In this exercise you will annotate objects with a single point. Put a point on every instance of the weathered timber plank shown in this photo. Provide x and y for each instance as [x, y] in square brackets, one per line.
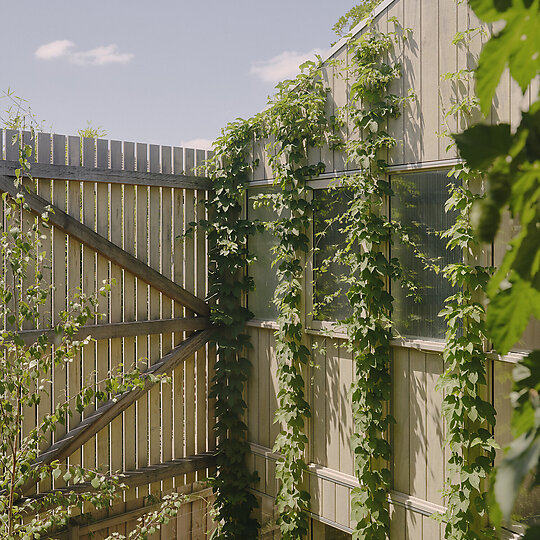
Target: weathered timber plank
[137, 178]
[111, 251]
[169, 469]
[115, 406]
[140, 477]
[154, 473]
[131, 515]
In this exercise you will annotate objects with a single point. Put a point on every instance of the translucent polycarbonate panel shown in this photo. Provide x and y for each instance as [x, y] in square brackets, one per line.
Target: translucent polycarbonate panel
[418, 204]
[330, 302]
[261, 244]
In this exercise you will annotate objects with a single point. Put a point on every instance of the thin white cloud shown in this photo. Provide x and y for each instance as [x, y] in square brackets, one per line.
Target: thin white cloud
[54, 49]
[282, 66]
[199, 144]
[100, 56]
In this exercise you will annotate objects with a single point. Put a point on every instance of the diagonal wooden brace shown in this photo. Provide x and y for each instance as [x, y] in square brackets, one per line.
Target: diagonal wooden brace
[102, 416]
[104, 247]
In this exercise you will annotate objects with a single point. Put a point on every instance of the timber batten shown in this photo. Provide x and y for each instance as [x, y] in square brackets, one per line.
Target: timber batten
[146, 475]
[122, 329]
[108, 176]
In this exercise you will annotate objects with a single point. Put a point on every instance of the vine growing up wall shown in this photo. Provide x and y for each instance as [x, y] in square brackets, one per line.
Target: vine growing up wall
[295, 121]
[469, 417]
[227, 235]
[368, 235]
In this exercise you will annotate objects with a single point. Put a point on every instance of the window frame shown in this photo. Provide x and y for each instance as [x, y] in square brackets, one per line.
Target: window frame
[331, 328]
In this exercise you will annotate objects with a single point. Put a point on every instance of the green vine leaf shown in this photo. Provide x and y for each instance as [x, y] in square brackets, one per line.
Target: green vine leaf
[515, 46]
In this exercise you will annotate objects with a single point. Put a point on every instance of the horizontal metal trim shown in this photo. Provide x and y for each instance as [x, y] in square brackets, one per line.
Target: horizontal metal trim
[419, 506]
[510, 358]
[109, 176]
[322, 181]
[424, 345]
[423, 165]
[263, 323]
[332, 524]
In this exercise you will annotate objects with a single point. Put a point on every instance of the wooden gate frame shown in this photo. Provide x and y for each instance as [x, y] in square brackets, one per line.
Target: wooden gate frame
[199, 324]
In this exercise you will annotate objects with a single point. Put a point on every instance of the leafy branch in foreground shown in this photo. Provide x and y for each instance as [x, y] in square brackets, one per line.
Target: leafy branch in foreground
[511, 160]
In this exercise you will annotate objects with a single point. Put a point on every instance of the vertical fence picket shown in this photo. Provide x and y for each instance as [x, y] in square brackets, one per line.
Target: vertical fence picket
[27, 222]
[183, 518]
[12, 154]
[29, 139]
[198, 517]
[91, 158]
[142, 313]
[44, 190]
[117, 425]
[211, 437]
[59, 281]
[89, 287]
[201, 356]
[130, 291]
[168, 530]
[34, 417]
[12, 145]
[178, 261]
[74, 281]
[189, 284]
[154, 417]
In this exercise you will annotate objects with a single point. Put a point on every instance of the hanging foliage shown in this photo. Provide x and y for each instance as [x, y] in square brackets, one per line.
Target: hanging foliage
[468, 415]
[295, 122]
[511, 161]
[227, 233]
[368, 235]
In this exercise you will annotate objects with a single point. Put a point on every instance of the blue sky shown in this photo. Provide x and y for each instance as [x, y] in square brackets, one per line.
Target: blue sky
[163, 71]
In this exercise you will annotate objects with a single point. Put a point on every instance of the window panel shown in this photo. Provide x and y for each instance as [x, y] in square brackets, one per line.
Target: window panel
[261, 244]
[330, 302]
[418, 205]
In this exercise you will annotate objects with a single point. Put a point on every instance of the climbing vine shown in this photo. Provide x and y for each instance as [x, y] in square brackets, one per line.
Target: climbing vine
[295, 122]
[227, 233]
[368, 236]
[469, 417]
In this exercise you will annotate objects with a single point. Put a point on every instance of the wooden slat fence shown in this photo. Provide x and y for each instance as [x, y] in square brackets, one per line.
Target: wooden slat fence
[121, 211]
